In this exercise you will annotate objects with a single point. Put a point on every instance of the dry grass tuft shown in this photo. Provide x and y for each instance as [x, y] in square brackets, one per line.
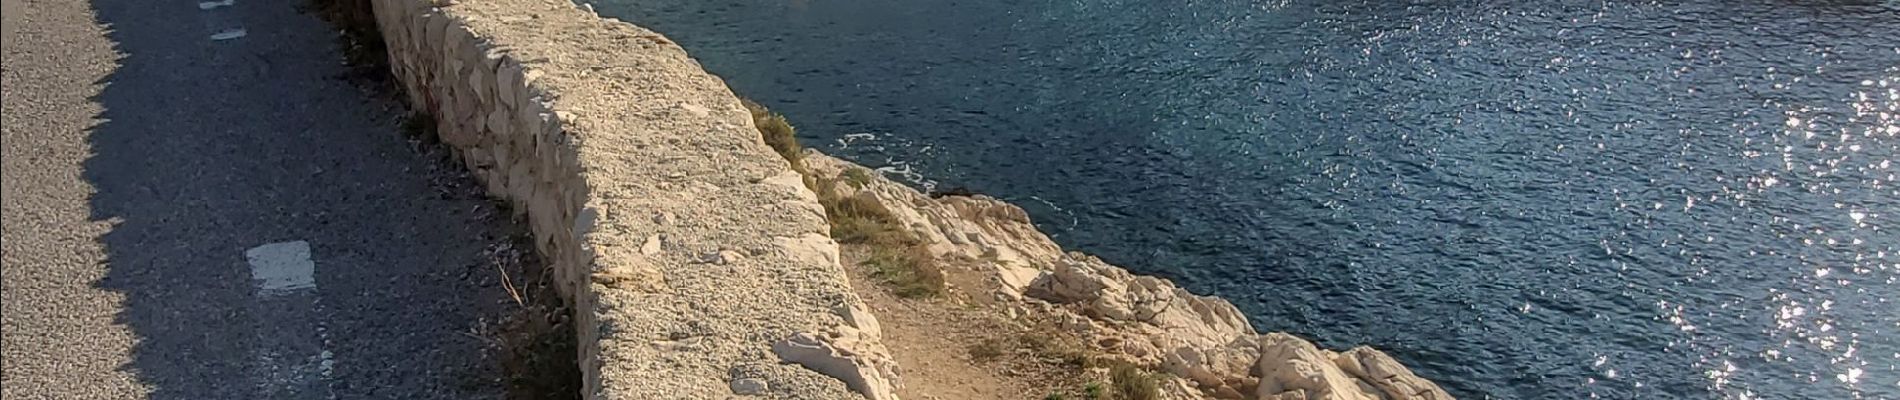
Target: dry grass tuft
[897, 257]
[909, 270]
[777, 133]
[986, 350]
[861, 219]
[535, 345]
[1057, 348]
[857, 177]
[1131, 382]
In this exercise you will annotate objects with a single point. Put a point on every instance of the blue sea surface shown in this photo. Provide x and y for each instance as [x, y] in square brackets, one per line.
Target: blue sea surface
[1520, 199]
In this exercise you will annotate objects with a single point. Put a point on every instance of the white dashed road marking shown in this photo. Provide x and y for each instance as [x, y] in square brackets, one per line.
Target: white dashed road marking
[282, 267]
[228, 34]
[292, 361]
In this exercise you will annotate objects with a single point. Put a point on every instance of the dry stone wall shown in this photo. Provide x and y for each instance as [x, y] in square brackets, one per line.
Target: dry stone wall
[697, 262]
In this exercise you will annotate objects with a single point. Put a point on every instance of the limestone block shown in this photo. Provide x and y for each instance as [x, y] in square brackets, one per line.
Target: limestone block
[412, 8]
[846, 354]
[413, 27]
[570, 157]
[544, 213]
[453, 35]
[498, 187]
[551, 124]
[453, 67]
[477, 82]
[465, 106]
[434, 25]
[470, 48]
[528, 119]
[811, 248]
[388, 18]
[499, 128]
[458, 132]
[491, 57]
[575, 187]
[1391, 378]
[856, 315]
[1289, 364]
[1212, 367]
[520, 186]
[584, 222]
[528, 112]
[547, 164]
[508, 82]
[479, 160]
[1072, 281]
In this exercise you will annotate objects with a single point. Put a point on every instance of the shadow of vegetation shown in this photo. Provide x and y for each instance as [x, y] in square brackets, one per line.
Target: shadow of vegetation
[207, 148]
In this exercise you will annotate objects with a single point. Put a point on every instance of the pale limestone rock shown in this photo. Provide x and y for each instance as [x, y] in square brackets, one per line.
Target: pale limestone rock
[1391, 378]
[976, 228]
[1176, 388]
[847, 354]
[721, 257]
[748, 386]
[1200, 338]
[1205, 341]
[520, 186]
[1289, 364]
[496, 124]
[1074, 281]
[811, 247]
[1016, 279]
[651, 246]
[859, 317]
[1222, 367]
[491, 73]
[508, 76]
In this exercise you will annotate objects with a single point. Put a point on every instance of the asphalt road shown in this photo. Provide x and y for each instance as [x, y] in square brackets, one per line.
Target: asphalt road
[193, 213]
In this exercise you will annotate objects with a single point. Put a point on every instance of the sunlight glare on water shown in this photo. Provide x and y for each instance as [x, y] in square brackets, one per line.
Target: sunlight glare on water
[1520, 200]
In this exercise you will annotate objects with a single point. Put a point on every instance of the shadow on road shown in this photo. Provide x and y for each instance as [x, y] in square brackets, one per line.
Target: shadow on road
[207, 148]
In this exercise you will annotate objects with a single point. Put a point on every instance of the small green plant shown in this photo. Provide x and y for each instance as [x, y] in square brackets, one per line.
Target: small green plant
[908, 269]
[1092, 391]
[1053, 396]
[1133, 383]
[857, 177]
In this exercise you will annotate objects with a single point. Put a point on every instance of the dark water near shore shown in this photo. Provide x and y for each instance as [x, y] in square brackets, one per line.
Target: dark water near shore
[1521, 199]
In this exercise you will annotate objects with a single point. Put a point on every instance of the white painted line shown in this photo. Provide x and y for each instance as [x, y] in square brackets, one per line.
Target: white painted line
[280, 268]
[292, 361]
[207, 5]
[228, 34]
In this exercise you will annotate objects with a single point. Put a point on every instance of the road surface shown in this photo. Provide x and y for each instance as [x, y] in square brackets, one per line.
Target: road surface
[197, 206]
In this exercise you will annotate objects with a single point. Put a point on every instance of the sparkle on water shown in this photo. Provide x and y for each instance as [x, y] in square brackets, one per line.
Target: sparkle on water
[1529, 199]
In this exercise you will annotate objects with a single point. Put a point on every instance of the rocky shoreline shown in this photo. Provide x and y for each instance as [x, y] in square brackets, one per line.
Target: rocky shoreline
[1203, 345]
[698, 265]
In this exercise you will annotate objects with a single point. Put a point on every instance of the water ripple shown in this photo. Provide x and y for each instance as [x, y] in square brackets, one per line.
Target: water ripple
[1525, 200]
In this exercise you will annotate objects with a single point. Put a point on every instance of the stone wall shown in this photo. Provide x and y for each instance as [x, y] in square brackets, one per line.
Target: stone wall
[697, 262]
